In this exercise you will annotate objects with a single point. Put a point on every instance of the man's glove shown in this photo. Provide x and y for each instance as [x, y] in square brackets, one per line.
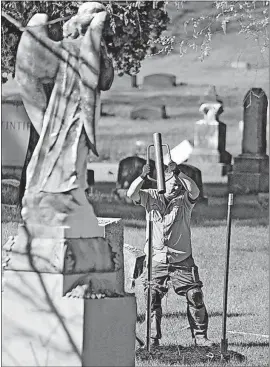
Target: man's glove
[145, 171]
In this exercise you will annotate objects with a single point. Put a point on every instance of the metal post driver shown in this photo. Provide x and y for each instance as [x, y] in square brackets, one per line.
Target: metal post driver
[161, 190]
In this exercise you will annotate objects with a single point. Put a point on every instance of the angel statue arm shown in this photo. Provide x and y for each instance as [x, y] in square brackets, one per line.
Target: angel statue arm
[94, 62]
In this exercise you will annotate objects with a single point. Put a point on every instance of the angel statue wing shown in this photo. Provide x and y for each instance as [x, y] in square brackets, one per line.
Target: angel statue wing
[79, 67]
[31, 72]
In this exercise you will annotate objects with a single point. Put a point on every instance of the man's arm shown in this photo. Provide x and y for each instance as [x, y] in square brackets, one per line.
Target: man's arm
[134, 189]
[190, 186]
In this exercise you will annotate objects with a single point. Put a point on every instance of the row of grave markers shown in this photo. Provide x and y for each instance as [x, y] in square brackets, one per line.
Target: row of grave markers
[251, 166]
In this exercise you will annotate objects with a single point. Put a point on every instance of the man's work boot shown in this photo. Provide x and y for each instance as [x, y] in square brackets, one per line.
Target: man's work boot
[155, 342]
[203, 342]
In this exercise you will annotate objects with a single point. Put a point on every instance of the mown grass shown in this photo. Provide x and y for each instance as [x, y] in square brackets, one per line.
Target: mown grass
[117, 136]
[248, 304]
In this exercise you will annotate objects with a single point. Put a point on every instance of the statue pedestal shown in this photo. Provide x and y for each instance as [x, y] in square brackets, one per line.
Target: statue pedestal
[42, 328]
[63, 301]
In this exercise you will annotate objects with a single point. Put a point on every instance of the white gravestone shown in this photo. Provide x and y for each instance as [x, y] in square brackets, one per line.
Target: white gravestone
[209, 152]
[15, 128]
[180, 153]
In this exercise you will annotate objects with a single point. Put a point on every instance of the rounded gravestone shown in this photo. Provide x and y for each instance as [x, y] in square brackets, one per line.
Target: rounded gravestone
[195, 174]
[148, 112]
[129, 169]
[163, 80]
[241, 65]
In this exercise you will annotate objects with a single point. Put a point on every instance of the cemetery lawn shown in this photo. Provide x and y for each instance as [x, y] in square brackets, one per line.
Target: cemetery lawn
[248, 309]
[248, 306]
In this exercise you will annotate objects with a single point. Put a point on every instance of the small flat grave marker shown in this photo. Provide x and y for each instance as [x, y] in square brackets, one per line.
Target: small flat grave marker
[162, 80]
[149, 112]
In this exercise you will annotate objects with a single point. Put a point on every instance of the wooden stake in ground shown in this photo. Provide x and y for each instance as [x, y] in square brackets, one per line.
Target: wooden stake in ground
[149, 279]
[224, 341]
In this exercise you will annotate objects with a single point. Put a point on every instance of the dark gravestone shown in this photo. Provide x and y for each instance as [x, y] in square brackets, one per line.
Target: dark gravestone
[195, 174]
[251, 168]
[148, 112]
[90, 177]
[162, 80]
[255, 117]
[129, 169]
[134, 81]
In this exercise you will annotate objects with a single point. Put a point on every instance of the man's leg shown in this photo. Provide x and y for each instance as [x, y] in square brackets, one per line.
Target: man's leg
[159, 288]
[186, 282]
[197, 313]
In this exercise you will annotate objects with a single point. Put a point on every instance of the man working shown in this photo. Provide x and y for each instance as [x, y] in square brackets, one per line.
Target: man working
[172, 255]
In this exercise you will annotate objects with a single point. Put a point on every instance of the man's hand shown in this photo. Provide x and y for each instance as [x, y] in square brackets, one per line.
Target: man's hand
[145, 171]
[172, 167]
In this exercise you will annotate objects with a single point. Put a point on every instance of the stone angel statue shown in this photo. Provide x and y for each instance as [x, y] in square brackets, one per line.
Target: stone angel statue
[79, 68]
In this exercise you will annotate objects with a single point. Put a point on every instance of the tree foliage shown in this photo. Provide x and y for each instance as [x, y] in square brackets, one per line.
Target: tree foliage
[135, 29]
[248, 17]
[130, 29]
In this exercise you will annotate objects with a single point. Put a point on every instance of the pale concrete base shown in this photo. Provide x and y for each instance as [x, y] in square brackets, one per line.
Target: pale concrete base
[211, 170]
[248, 183]
[250, 174]
[41, 328]
[133, 259]
[104, 172]
[109, 332]
[210, 156]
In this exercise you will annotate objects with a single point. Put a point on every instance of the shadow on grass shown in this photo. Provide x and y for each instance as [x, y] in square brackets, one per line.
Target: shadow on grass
[141, 316]
[251, 344]
[232, 314]
[134, 216]
[200, 221]
[178, 355]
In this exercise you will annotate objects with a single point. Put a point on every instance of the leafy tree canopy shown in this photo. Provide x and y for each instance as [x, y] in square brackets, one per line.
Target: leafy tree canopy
[128, 33]
[136, 29]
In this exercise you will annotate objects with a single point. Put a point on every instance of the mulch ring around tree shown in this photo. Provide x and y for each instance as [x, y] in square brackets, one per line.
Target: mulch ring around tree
[175, 355]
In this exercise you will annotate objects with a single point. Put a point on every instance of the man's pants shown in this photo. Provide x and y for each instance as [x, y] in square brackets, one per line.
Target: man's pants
[185, 280]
